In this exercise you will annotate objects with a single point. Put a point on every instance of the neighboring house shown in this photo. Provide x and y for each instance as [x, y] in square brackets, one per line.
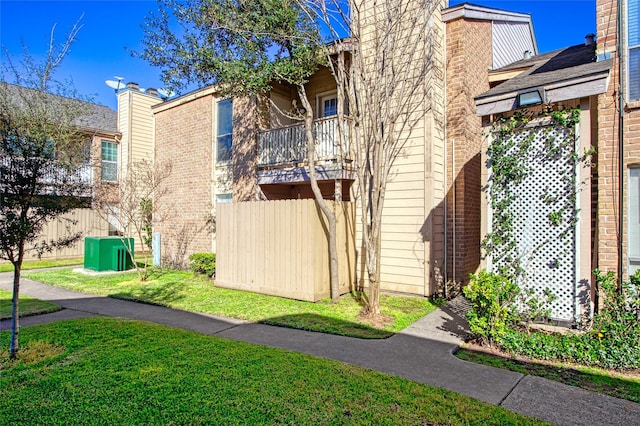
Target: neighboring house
[238, 150]
[98, 123]
[115, 140]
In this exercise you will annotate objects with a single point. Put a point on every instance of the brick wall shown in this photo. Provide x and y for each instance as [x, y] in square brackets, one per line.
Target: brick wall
[184, 136]
[608, 232]
[469, 58]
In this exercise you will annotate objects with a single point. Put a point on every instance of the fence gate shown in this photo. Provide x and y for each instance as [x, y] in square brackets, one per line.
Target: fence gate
[546, 248]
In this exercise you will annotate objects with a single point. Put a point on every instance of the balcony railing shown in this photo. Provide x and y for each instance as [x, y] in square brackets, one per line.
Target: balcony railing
[288, 145]
[52, 175]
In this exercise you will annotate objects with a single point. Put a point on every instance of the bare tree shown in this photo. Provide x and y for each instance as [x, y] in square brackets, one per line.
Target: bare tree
[41, 145]
[385, 81]
[132, 203]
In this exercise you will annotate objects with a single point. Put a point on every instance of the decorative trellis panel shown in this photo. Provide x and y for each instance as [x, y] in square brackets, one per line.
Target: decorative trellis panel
[547, 250]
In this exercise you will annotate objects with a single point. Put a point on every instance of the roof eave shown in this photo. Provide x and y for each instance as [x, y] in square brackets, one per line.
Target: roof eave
[575, 88]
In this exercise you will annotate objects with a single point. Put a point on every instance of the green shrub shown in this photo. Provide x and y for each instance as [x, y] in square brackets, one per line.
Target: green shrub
[611, 343]
[617, 323]
[492, 310]
[534, 307]
[203, 263]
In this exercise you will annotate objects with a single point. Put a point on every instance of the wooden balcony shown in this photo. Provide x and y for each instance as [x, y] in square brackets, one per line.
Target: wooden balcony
[287, 146]
[51, 176]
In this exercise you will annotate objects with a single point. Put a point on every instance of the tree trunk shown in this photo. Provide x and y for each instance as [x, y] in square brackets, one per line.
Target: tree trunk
[321, 202]
[15, 326]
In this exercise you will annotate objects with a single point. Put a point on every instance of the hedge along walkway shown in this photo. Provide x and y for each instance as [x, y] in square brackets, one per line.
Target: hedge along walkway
[414, 354]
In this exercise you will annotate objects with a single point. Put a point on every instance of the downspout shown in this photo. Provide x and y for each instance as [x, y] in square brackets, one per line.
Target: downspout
[446, 209]
[455, 213]
[446, 183]
[621, 53]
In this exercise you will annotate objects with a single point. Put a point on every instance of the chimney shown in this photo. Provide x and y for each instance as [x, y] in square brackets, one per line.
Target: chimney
[589, 38]
[133, 86]
[152, 91]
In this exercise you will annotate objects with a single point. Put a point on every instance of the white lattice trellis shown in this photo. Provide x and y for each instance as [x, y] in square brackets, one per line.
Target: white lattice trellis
[545, 245]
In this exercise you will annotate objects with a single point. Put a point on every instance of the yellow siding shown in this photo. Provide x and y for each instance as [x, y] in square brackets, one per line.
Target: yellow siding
[413, 221]
[136, 123]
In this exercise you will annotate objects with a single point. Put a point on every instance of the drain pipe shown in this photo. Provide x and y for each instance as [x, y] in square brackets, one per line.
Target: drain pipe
[621, 55]
[455, 213]
[446, 226]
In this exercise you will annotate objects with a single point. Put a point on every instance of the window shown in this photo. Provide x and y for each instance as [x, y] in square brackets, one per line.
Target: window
[224, 198]
[224, 131]
[633, 217]
[329, 106]
[109, 156]
[86, 152]
[633, 46]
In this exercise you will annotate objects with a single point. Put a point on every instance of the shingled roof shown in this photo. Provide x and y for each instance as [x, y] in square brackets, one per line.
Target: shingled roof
[94, 118]
[571, 66]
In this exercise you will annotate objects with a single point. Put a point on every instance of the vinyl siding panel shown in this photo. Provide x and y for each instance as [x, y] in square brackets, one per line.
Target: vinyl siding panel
[510, 41]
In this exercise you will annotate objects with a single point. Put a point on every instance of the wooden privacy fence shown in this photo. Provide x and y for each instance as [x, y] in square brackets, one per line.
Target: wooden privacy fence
[88, 222]
[281, 248]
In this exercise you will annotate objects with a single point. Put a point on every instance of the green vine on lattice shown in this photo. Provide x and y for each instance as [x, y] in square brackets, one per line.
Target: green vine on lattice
[509, 163]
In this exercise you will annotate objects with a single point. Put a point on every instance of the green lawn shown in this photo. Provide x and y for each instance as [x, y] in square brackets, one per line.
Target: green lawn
[588, 378]
[183, 290]
[115, 371]
[38, 264]
[26, 305]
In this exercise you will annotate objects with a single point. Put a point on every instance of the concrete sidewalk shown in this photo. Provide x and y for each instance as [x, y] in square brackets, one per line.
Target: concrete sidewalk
[423, 352]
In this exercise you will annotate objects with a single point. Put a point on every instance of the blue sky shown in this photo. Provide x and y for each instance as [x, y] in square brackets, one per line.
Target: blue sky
[112, 27]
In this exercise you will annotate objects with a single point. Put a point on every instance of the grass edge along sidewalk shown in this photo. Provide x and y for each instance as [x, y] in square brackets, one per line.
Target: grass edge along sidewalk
[182, 290]
[28, 306]
[131, 372]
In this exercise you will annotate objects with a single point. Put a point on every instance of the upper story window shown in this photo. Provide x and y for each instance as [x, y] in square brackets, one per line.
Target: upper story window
[329, 106]
[633, 46]
[109, 157]
[224, 130]
[86, 152]
[24, 146]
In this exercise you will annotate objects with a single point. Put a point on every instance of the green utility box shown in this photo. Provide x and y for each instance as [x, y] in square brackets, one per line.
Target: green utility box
[108, 253]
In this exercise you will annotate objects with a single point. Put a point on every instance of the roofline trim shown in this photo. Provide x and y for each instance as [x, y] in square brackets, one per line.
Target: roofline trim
[587, 85]
[472, 11]
[100, 132]
[186, 98]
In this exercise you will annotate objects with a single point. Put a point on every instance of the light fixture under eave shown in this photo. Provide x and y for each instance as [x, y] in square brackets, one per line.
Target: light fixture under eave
[532, 97]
